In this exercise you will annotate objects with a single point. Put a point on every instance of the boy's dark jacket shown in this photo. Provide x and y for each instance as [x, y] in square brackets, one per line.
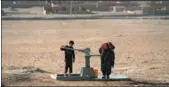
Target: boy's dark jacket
[69, 54]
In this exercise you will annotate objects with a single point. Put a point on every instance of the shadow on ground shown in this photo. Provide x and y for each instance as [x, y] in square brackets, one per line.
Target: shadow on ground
[148, 83]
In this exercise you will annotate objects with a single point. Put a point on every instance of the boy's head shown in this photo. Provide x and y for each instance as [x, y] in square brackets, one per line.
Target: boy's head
[71, 43]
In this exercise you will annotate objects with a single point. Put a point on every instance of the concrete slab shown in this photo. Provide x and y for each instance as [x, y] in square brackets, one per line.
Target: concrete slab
[77, 77]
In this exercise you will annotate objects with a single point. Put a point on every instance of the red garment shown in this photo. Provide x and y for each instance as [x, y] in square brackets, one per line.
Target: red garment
[107, 46]
[104, 47]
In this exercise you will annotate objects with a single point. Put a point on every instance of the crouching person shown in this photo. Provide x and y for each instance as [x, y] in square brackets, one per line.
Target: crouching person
[107, 58]
[69, 57]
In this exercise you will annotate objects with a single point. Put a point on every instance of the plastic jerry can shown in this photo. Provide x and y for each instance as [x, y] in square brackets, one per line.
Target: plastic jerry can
[96, 73]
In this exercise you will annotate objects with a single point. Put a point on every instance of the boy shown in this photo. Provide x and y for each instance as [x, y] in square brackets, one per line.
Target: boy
[69, 57]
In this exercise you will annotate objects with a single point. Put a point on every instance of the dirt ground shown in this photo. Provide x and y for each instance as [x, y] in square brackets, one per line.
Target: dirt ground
[142, 50]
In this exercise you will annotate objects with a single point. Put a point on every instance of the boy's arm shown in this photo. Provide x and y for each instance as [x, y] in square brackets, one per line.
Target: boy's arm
[73, 52]
[63, 48]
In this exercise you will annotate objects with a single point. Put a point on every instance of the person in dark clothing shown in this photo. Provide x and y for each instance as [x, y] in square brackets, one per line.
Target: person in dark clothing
[107, 58]
[69, 57]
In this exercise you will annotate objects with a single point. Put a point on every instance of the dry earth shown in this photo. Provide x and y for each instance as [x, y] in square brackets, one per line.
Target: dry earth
[142, 50]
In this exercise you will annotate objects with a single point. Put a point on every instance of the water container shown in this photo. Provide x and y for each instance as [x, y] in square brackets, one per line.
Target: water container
[96, 73]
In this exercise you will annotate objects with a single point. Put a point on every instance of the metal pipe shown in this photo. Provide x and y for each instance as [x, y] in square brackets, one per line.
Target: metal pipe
[86, 51]
[95, 55]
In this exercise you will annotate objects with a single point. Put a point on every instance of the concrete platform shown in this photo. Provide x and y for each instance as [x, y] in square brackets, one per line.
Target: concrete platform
[77, 77]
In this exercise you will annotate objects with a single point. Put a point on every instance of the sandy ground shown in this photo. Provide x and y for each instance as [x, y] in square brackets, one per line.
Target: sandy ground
[142, 50]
